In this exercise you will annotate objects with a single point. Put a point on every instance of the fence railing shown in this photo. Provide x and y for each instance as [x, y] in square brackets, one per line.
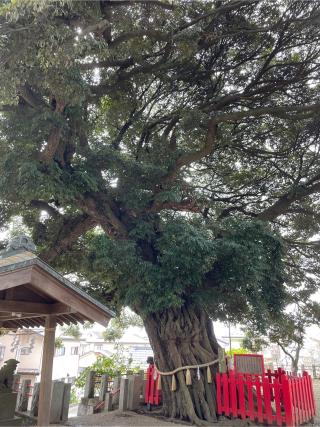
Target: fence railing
[270, 398]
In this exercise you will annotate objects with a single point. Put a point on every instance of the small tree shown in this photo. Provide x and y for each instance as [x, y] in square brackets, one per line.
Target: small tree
[119, 324]
[288, 332]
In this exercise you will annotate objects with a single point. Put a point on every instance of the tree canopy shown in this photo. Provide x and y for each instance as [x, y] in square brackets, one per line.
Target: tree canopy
[155, 141]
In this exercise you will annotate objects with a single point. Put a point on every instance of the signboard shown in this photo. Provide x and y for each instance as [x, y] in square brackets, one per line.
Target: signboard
[249, 364]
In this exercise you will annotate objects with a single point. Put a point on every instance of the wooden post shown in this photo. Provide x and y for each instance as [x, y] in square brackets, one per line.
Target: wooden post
[46, 372]
[222, 360]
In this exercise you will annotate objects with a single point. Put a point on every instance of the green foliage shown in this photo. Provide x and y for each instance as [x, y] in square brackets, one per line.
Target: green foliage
[72, 331]
[119, 324]
[241, 256]
[58, 343]
[112, 366]
[240, 350]
[253, 342]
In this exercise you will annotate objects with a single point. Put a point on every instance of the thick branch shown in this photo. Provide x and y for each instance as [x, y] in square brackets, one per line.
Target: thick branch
[282, 205]
[54, 138]
[70, 232]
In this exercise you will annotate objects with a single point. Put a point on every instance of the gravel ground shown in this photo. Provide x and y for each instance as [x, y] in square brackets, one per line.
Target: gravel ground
[115, 419]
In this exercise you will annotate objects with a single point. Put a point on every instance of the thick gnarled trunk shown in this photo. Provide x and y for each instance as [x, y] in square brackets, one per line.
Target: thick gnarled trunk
[179, 337]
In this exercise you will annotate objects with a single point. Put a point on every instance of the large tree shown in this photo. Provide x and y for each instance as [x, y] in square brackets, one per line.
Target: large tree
[168, 154]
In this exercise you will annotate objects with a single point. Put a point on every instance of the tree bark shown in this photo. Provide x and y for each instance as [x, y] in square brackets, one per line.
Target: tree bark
[179, 337]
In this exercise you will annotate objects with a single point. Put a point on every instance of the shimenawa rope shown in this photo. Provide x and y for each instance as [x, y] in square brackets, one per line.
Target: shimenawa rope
[188, 374]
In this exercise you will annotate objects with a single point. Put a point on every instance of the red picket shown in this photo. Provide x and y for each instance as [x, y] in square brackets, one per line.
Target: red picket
[259, 399]
[225, 382]
[304, 399]
[233, 394]
[297, 386]
[287, 401]
[277, 400]
[267, 399]
[309, 394]
[250, 398]
[269, 375]
[242, 403]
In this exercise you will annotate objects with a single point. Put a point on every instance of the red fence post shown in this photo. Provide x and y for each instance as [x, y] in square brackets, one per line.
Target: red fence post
[258, 384]
[233, 394]
[267, 399]
[250, 398]
[225, 383]
[277, 398]
[242, 403]
[287, 401]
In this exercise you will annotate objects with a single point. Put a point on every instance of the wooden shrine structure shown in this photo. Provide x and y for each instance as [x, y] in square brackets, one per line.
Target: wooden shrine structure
[32, 294]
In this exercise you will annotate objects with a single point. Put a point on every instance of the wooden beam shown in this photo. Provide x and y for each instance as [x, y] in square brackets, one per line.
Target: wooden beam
[46, 372]
[41, 280]
[12, 306]
[23, 316]
[12, 279]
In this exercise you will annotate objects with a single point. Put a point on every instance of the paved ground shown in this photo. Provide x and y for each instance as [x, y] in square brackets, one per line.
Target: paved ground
[115, 419]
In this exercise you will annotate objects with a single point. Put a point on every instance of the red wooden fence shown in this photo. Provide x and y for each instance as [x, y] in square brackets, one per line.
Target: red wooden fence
[271, 398]
[152, 394]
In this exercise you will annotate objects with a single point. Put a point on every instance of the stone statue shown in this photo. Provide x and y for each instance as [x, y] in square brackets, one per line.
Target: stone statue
[21, 242]
[6, 375]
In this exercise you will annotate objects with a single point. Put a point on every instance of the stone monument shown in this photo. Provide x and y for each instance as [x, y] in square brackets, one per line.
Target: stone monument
[8, 398]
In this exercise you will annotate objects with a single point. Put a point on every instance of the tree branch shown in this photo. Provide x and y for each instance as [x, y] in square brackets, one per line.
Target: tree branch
[71, 230]
[54, 137]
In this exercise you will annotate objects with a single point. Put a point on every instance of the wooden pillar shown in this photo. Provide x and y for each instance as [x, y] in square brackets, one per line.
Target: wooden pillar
[46, 372]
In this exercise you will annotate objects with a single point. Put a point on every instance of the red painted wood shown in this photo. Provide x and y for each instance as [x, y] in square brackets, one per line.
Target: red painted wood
[287, 402]
[225, 383]
[299, 398]
[295, 409]
[242, 403]
[269, 375]
[250, 399]
[146, 394]
[304, 399]
[219, 400]
[293, 397]
[151, 390]
[258, 384]
[233, 395]
[309, 397]
[277, 399]
[267, 399]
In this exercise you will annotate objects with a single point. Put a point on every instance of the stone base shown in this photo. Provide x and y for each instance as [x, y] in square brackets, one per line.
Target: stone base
[16, 421]
[7, 405]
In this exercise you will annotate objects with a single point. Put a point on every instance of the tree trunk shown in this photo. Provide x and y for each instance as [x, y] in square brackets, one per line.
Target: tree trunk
[179, 337]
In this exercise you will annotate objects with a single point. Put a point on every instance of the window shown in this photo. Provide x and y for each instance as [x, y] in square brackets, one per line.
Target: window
[74, 351]
[2, 350]
[24, 351]
[60, 351]
[98, 347]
